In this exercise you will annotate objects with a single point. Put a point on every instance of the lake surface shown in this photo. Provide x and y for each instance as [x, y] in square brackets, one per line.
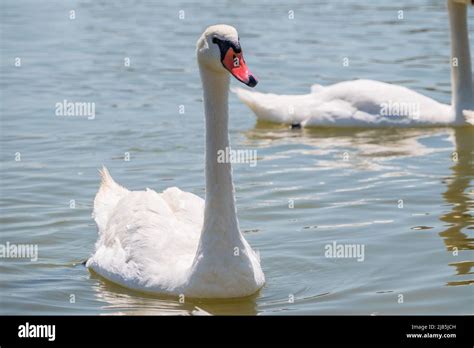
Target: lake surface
[402, 194]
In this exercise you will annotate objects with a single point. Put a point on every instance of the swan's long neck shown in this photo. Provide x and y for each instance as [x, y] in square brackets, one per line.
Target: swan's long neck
[461, 75]
[220, 217]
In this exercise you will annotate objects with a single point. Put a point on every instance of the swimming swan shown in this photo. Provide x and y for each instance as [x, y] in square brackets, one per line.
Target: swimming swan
[174, 242]
[367, 103]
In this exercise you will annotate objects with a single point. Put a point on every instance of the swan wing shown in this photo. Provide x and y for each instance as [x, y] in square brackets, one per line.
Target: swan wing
[150, 240]
[389, 102]
[186, 206]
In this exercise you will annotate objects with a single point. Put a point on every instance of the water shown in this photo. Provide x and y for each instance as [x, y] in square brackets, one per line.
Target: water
[346, 185]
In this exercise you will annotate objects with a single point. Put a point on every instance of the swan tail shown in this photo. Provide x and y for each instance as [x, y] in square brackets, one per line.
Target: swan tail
[109, 194]
[316, 88]
[288, 109]
[251, 99]
[247, 97]
[265, 106]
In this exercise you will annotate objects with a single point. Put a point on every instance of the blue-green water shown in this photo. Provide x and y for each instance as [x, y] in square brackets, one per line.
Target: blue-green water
[344, 185]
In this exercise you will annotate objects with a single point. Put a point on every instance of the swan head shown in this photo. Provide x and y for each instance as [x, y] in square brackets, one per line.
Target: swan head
[218, 49]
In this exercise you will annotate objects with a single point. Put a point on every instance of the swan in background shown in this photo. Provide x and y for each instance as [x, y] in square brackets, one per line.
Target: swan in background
[367, 103]
[174, 242]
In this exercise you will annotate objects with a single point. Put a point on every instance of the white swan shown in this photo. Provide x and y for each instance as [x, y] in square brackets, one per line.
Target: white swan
[173, 242]
[366, 103]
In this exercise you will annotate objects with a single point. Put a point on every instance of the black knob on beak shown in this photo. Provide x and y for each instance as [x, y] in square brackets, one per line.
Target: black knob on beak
[252, 81]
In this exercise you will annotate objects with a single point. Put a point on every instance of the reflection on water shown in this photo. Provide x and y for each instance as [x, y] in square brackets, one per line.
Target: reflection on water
[382, 144]
[387, 144]
[119, 301]
[460, 198]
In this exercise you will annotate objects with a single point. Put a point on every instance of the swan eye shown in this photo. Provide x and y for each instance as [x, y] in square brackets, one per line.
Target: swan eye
[215, 40]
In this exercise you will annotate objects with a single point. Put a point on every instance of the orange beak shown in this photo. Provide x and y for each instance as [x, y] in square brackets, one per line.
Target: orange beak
[235, 64]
